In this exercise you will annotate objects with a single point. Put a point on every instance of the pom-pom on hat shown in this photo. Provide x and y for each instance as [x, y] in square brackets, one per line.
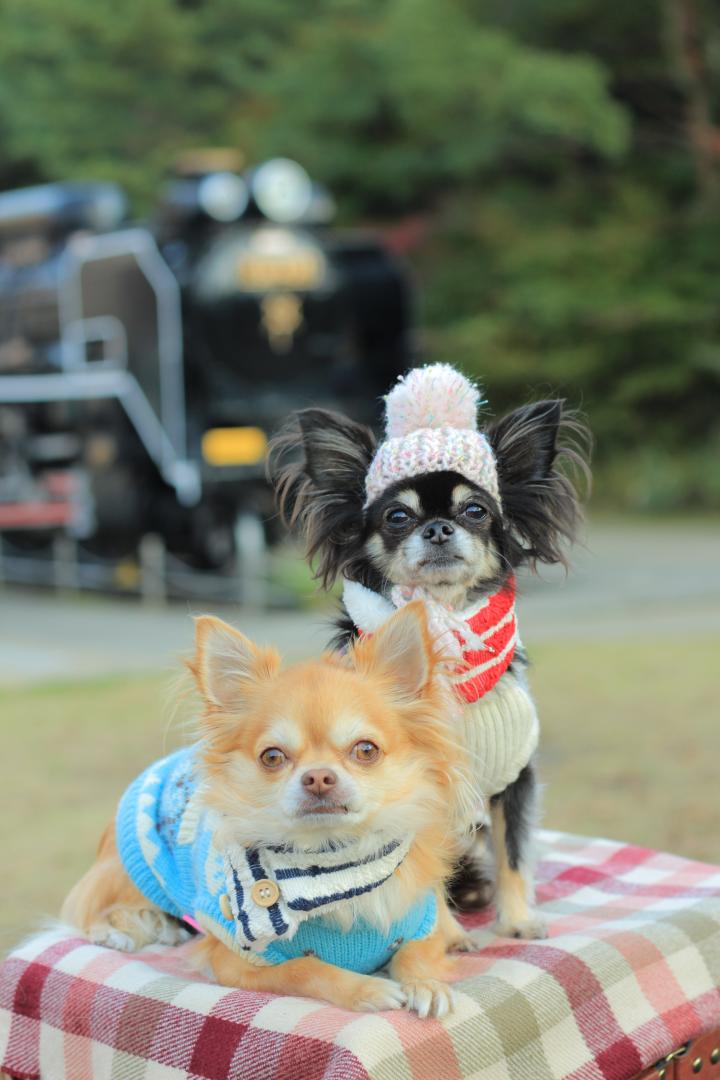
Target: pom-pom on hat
[431, 426]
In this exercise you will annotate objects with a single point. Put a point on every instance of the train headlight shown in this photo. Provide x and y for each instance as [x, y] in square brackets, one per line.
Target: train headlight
[223, 196]
[282, 190]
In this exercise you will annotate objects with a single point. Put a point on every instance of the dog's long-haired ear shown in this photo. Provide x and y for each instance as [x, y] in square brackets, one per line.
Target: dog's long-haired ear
[226, 663]
[401, 653]
[318, 466]
[406, 660]
[542, 452]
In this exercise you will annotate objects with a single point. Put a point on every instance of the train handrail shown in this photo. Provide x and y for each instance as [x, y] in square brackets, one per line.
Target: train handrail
[183, 475]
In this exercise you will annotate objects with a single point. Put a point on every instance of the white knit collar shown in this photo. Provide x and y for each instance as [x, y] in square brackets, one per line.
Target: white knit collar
[308, 882]
[369, 610]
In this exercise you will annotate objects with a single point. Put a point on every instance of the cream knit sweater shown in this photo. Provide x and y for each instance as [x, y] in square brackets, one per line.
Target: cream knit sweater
[501, 732]
[500, 729]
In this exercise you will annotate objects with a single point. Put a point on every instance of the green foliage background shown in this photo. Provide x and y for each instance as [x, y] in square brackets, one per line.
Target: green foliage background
[569, 206]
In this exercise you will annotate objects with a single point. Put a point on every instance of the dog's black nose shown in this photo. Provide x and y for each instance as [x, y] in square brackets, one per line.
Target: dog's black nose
[318, 781]
[438, 532]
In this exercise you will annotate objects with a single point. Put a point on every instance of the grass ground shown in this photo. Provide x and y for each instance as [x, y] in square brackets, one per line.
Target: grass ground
[629, 750]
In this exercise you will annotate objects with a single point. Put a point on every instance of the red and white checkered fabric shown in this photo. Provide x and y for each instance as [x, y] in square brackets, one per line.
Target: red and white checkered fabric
[631, 970]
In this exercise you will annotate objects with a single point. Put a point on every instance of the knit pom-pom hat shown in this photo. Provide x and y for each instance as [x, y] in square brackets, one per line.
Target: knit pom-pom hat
[431, 426]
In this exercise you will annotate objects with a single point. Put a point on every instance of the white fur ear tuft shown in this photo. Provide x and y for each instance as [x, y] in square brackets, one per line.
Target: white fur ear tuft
[226, 662]
[402, 651]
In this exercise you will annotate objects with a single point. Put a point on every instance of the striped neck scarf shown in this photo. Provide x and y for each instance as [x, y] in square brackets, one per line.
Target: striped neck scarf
[274, 889]
[481, 639]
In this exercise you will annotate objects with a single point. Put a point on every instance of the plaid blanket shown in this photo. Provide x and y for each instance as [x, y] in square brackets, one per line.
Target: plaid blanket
[630, 971]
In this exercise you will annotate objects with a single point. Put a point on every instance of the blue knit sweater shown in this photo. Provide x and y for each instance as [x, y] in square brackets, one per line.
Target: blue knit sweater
[166, 842]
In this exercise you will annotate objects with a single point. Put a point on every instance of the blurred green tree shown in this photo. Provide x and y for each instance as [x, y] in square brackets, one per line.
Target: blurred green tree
[89, 89]
[394, 103]
[564, 159]
[602, 279]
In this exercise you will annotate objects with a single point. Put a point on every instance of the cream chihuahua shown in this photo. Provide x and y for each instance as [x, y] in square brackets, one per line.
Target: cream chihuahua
[309, 831]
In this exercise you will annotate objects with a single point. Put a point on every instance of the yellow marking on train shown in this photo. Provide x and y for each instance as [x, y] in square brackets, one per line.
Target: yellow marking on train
[234, 445]
[304, 270]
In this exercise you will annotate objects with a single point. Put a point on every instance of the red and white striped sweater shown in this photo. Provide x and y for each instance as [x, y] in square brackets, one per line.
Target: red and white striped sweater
[497, 718]
[483, 637]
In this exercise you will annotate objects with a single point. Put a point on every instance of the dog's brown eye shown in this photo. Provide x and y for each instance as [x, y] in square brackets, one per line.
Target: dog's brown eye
[396, 516]
[365, 751]
[273, 758]
[475, 511]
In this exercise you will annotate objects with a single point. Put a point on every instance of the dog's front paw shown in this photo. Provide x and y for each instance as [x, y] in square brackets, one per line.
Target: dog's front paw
[532, 929]
[110, 938]
[429, 997]
[171, 932]
[463, 943]
[130, 929]
[374, 995]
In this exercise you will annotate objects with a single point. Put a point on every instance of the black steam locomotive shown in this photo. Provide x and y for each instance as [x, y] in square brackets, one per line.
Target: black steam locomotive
[142, 367]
